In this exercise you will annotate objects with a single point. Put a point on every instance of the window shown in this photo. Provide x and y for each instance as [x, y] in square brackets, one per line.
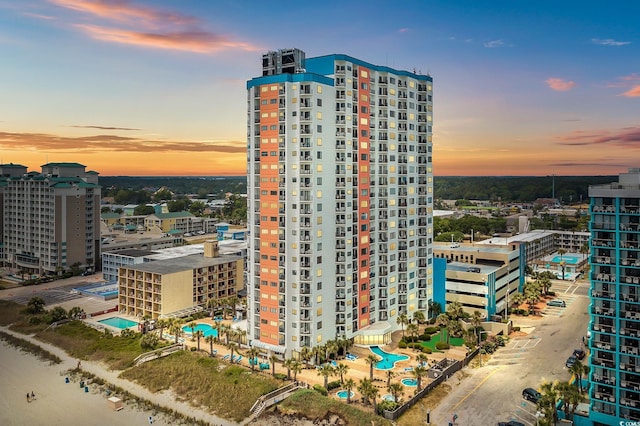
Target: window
[319, 102]
[319, 128]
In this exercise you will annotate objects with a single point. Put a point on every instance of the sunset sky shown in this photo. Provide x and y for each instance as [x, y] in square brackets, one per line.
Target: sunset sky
[132, 87]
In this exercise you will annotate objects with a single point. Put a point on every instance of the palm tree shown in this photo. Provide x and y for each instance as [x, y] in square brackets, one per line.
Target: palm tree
[396, 389]
[578, 369]
[348, 385]
[419, 372]
[373, 395]
[198, 335]
[442, 321]
[160, 326]
[252, 354]
[364, 388]
[422, 360]
[330, 348]
[476, 320]
[306, 354]
[341, 370]
[175, 328]
[518, 299]
[217, 325]
[318, 351]
[435, 309]
[418, 317]
[549, 401]
[326, 370]
[402, 320]
[209, 339]
[240, 336]
[390, 375]
[371, 360]
[454, 310]
[192, 326]
[412, 329]
[232, 346]
[296, 367]
[273, 358]
[287, 364]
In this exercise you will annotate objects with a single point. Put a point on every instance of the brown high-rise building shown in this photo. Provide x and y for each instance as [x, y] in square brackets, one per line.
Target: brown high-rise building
[51, 219]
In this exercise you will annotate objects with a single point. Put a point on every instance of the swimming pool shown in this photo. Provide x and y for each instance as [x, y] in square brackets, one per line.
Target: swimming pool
[567, 258]
[389, 397]
[118, 322]
[206, 330]
[410, 382]
[388, 360]
[343, 394]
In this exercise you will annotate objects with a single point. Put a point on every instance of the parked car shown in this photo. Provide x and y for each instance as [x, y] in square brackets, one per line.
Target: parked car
[511, 423]
[530, 394]
[579, 353]
[557, 303]
[571, 361]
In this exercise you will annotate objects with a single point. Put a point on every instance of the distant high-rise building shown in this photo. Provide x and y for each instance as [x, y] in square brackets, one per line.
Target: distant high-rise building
[340, 188]
[615, 301]
[50, 220]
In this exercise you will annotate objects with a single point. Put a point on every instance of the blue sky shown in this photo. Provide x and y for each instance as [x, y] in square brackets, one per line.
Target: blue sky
[158, 87]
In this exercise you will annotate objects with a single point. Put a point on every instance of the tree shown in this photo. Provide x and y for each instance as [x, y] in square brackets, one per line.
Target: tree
[58, 313]
[287, 364]
[175, 328]
[578, 369]
[418, 317]
[341, 370]
[306, 354]
[419, 372]
[396, 389]
[232, 347]
[422, 360]
[197, 208]
[435, 309]
[163, 194]
[296, 367]
[371, 360]
[549, 401]
[209, 339]
[143, 210]
[252, 354]
[76, 313]
[442, 321]
[273, 358]
[198, 335]
[402, 320]
[390, 375]
[413, 329]
[364, 387]
[326, 370]
[348, 385]
[192, 326]
[476, 320]
[35, 305]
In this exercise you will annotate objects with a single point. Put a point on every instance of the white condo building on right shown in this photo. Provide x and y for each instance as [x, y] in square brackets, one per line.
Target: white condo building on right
[615, 301]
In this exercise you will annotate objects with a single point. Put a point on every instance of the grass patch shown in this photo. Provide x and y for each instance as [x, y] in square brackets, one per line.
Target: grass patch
[416, 414]
[228, 391]
[453, 341]
[29, 347]
[83, 342]
[310, 404]
[10, 312]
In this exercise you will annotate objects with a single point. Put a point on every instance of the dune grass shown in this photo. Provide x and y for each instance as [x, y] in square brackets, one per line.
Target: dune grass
[310, 404]
[84, 342]
[29, 347]
[10, 312]
[228, 391]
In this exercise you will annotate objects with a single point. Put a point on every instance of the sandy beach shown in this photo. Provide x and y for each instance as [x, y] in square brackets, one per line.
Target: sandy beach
[56, 402]
[61, 403]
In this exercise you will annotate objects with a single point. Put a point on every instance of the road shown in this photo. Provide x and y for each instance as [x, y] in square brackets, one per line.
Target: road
[493, 392]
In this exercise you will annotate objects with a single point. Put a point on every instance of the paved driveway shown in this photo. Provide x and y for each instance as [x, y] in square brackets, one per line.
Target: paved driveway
[493, 393]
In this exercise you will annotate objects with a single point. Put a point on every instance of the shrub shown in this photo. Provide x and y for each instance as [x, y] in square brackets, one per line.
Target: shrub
[385, 405]
[402, 344]
[426, 350]
[431, 330]
[280, 376]
[320, 389]
[334, 385]
[425, 337]
[517, 328]
[148, 341]
[442, 345]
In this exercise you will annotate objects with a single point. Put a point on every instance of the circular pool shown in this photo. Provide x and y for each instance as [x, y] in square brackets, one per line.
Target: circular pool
[343, 394]
[409, 382]
[389, 397]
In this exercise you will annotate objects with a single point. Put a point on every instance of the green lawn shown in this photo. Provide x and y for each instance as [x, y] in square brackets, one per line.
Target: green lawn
[453, 341]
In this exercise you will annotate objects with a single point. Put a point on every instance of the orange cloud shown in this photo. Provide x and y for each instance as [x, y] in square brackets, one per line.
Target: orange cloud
[149, 27]
[634, 92]
[559, 84]
[112, 143]
[198, 41]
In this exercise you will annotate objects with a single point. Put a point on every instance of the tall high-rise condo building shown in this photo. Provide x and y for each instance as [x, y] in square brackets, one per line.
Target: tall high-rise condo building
[50, 220]
[615, 301]
[340, 188]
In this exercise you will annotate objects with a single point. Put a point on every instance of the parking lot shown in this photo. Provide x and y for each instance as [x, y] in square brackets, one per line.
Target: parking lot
[493, 392]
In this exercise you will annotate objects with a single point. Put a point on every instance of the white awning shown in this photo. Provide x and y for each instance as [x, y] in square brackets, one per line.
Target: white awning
[268, 346]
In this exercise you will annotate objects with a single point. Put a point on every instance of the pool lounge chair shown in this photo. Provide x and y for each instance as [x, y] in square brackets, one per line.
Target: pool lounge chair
[227, 356]
[334, 363]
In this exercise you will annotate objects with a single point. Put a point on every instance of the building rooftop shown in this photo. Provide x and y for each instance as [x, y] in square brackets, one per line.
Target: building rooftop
[132, 252]
[184, 263]
[464, 267]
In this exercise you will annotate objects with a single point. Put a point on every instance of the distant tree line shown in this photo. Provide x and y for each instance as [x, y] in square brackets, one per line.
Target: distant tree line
[516, 189]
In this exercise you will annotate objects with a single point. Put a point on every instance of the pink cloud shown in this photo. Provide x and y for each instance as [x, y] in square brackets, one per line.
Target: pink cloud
[146, 26]
[559, 84]
[628, 137]
[193, 41]
[634, 92]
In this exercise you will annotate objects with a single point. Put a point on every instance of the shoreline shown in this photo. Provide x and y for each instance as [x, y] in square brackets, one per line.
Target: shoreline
[60, 403]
